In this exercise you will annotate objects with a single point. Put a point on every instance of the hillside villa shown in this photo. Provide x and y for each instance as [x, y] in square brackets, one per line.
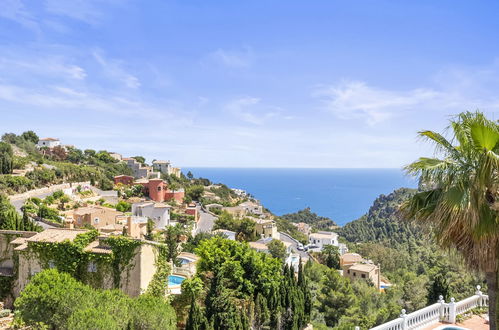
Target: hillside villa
[48, 142]
[159, 213]
[265, 228]
[357, 268]
[322, 238]
[139, 170]
[95, 216]
[165, 167]
[134, 277]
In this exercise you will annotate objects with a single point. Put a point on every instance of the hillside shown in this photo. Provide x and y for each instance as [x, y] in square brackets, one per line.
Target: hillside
[383, 223]
[310, 218]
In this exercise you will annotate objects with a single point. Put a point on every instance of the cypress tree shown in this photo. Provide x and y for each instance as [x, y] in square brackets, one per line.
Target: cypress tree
[196, 320]
[262, 315]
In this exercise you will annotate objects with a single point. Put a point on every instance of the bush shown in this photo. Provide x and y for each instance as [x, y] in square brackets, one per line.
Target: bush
[61, 302]
[123, 206]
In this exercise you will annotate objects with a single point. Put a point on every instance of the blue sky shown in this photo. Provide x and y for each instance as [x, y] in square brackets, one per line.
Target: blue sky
[247, 83]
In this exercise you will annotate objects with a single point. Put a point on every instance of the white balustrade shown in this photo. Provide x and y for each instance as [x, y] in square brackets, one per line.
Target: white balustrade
[439, 312]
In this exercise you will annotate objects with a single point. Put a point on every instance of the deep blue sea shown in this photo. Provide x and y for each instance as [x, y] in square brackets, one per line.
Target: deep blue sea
[340, 194]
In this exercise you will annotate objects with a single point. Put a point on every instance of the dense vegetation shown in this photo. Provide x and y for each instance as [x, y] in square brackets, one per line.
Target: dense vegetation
[383, 223]
[52, 166]
[58, 301]
[407, 254]
[307, 216]
[244, 228]
[11, 220]
[237, 288]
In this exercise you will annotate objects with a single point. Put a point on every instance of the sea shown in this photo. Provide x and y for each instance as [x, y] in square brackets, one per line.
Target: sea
[342, 195]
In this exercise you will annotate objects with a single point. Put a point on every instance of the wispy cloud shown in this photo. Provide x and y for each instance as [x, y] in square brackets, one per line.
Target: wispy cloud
[251, 110]
[449, 91]
[358, 100]
[87, 11]
[114, 68]
[53, 66]
[15, 10]
[242, 58]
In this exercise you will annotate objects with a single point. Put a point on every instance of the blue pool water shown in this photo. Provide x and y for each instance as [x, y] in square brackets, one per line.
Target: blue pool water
[175, 280]
[340, 194]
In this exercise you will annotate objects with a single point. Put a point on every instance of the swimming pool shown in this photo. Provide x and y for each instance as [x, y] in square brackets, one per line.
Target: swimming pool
[175, 280]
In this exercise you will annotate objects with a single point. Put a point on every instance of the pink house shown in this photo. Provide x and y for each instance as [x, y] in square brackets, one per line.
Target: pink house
[158, 191]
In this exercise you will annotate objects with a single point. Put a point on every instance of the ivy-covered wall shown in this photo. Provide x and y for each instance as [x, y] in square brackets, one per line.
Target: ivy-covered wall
[101, 270]
[131, 265]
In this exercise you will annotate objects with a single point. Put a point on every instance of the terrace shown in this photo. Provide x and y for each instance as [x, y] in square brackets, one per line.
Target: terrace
[439, 313]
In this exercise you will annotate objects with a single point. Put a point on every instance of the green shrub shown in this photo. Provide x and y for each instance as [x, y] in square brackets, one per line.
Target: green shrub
[61, 302]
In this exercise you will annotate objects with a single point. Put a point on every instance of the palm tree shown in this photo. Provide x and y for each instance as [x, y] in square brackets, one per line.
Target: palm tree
[459, 196]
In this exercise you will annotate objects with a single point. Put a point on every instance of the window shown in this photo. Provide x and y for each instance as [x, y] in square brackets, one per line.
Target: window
[363, 275]
[92, 267]
[159, 188]
[348, 271]
[354, 274]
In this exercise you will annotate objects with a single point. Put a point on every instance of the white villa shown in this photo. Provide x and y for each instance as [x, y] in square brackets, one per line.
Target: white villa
[322, 238]
[48, 143]
[157, 212]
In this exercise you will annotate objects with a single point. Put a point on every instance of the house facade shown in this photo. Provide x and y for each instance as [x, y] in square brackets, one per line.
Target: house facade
[165, 167]
[134, 278]
[157, 212]
[363, 271]
[48, 143]
[323, 238]
[95, 216]
[157, 190]
[139, 170]
[265, 228]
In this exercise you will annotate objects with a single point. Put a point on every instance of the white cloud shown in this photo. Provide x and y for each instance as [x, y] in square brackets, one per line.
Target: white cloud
[233, 58]
[114, 68]
[450, 91]
[357, 100]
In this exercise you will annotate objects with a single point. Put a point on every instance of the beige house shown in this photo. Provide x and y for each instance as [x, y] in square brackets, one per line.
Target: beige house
[265, 228]
[236, 211]
[350, 259]
[363, 271]
[302, 227]
[95, 216]
[133, 279]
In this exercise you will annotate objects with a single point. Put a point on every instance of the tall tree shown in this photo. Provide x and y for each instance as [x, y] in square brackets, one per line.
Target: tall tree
[331, 256]
[459, 194]
[6, 158]
[30, 136]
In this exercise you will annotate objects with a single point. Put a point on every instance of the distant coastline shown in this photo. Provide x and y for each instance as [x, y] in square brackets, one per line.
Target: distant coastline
[340, 194]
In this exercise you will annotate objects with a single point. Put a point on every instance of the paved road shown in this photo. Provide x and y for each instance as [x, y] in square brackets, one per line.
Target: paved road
[286, 238]
[18, 203]
[206, 221]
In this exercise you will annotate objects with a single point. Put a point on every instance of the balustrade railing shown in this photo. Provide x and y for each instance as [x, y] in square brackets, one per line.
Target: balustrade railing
[438, 312]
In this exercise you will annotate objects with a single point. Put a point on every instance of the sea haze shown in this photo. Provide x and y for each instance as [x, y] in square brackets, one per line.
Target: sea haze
[340, 194]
